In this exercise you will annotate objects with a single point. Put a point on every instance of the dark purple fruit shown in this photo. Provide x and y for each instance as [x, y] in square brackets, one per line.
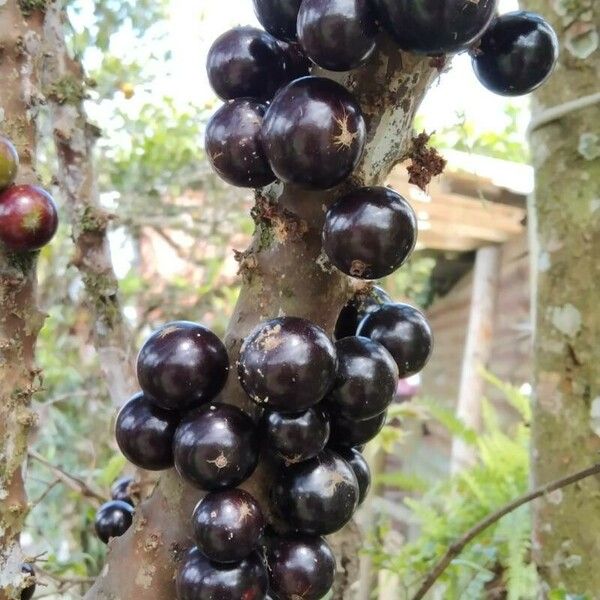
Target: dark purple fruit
[405, 334]
[198, 578]
[233, 144]
[338, 35]
[228, 525]
[28, 218]
[145, 433]
[347, 433]
[27, 593]
[300, 566]
[278, 17]
[363, 303]
[121, 489]
[517, 54]
[366, 379]
[287, 364]
[297, 63]
[245, 62]
[314, 133]
[9, 162]
[318, 496]
[181, 365]
[113, 519]
[216, 447]
[361, 469]
[369, 232]
[297, 437]
[435, 26]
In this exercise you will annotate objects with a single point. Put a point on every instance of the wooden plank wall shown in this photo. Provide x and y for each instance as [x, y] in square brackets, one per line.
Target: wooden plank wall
[427, 453]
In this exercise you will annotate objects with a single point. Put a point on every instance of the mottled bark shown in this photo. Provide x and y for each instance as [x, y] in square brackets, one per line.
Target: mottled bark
[284, 273]
[64, 87]
[565, 222]
[20, 319]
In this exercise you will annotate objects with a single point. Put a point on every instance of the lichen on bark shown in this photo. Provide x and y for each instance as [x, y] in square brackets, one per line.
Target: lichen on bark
[565, 223]
[20, 318]
[287, 276]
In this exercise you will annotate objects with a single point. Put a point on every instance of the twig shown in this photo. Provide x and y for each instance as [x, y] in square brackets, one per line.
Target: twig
[458, 546]
[69, 480]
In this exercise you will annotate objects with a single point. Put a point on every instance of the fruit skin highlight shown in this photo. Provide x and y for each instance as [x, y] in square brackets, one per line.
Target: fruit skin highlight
[182, 365]
[113, 519]
[517, 54]
[363, 303]
[404, 332]
[245, 62]
[228, 525]
[318, 496]
[370, 232]
[198, 578]
[216, 447]
[278, 17]
[28, 218]
[233, 144]
[287, 364]
[338, 35]
[438, 26]
[313, 133]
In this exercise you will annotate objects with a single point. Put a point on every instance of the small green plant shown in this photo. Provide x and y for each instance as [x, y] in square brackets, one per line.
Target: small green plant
[497, 564]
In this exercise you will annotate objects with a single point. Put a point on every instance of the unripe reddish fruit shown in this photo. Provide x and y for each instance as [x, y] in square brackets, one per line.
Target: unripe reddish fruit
[9, 162]
[28, 217]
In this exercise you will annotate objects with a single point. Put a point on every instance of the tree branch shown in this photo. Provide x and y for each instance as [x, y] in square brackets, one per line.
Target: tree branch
[74, 140]
[69, 480]
[290, 277]
[20, 319]
[459, 545]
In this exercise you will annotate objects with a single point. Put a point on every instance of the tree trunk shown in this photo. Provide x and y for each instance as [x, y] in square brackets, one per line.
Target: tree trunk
[284, 273]
[20, 319]
[74, 138]
[565, 224]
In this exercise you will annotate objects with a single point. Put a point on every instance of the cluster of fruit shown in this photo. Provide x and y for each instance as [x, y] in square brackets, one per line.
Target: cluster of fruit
[28, 216]
[321, 402]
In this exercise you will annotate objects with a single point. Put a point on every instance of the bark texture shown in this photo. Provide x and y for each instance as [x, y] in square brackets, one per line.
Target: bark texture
[64, 87]
[20, 319]
[284, 274]
[565, 219]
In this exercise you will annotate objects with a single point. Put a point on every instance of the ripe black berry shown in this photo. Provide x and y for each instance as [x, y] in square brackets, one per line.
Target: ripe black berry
[233, 144]
[121, 489]
[113, 519]
[347, 433]
[297, 437]
[278, 17]
[517, 54]
[361, 469]
[216, 447]
[366, 379]
[338, 35]
[145, 433]
[405, 334]
[28, 218]
[317, 496]
[301, 566]
[287, 364]
[369, 232]
[228, 525]
[198, 578]
[9, 162]
[297, 63]
[245, 62]
[435, 26]
[313, 133]
[363, 303]
[27, 593]
[182, 365]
